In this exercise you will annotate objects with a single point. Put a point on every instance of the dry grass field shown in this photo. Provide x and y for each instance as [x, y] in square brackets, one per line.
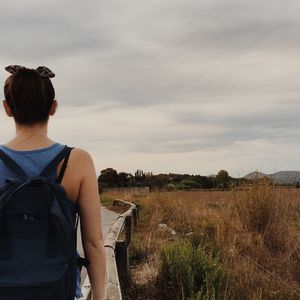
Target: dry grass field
[241, 244]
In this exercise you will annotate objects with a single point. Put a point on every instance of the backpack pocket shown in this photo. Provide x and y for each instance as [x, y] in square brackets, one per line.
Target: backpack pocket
[22, 274]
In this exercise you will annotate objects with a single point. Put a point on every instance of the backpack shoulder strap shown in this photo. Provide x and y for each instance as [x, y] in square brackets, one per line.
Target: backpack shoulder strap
[64, 166]
[12, 165]
[63, 154]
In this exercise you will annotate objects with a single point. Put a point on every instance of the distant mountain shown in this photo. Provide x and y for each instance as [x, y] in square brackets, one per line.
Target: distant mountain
[255, 175]
[285, 177]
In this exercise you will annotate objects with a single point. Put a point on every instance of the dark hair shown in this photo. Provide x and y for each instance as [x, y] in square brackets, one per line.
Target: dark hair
[29, 96]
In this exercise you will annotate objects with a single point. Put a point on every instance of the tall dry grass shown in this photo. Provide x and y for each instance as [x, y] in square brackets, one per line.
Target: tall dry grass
[254, 231]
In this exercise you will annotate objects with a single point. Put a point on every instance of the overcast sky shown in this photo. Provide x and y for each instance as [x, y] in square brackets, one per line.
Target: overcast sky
[166, 86]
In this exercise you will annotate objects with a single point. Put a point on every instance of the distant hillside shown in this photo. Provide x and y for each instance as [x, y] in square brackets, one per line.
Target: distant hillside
[255, 175]
[285, 177]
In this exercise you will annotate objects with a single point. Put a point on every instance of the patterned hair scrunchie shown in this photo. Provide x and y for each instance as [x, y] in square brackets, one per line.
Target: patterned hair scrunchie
[42, 71]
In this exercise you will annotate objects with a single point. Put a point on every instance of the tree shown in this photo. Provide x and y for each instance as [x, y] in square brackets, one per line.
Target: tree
[223, 179]
[124, 178]
[108, 178]
[139, 174]
[139, 177]
[205, 182]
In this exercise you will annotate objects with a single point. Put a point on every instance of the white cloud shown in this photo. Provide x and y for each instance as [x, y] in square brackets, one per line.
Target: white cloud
[179, 86]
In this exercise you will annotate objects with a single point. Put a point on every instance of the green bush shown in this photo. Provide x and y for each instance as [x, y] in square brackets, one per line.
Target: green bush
[210, 277]
[190, 273]
[190, 184]
[176, 276]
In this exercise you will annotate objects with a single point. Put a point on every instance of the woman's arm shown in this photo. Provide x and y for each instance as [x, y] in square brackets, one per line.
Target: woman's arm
[90, 221]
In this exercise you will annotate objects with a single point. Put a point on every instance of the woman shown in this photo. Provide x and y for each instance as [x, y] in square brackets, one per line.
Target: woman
[29, 99]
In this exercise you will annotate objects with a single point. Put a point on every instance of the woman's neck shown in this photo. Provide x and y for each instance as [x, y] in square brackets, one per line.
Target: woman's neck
[30, 137]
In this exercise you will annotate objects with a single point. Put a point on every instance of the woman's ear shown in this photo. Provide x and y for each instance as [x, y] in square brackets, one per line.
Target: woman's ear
[53, 108]
[7, 108]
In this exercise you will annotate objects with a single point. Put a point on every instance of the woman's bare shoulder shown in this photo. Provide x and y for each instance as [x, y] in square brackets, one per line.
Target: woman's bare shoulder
[80, 169]
[80, 153]
[81, 158]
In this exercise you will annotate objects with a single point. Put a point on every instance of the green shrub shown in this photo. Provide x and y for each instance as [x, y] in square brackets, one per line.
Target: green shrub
[190, 273]
[209, 275]
[190, 184]
[176, 277]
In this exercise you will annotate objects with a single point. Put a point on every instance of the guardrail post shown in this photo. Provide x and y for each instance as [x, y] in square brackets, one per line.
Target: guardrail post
[134, 212]
[122, 260]
[128, 230]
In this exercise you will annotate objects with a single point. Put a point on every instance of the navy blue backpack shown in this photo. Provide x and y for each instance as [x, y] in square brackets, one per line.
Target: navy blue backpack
[38, 229]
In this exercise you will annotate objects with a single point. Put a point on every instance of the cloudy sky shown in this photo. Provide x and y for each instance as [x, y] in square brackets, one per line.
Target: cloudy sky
[189, 86]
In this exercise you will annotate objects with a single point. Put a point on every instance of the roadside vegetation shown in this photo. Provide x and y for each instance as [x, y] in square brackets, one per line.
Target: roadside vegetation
[110, 178]
[241, 244]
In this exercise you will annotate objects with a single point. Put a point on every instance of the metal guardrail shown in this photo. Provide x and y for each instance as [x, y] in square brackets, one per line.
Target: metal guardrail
[116, 253]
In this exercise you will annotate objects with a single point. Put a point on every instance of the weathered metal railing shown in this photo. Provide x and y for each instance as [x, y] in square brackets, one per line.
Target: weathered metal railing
[116, 252]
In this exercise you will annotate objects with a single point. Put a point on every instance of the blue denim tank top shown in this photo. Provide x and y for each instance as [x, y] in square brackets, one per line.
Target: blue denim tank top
[31, 161]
